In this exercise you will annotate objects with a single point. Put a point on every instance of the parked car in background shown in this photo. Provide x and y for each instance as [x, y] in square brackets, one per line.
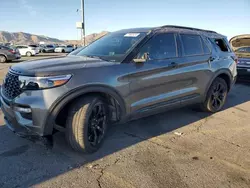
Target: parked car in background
[8, 54]
[47, 48]
[28, 50]
[241, 47]
[64, 49]
[125, 75]
[76, 51]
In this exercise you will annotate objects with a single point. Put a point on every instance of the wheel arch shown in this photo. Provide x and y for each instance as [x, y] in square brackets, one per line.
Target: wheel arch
[224, 74]
[4, 56]
[66, 100]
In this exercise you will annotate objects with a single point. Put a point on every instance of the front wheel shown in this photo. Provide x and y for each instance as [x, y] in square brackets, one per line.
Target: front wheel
[216, 96]
[87, 124]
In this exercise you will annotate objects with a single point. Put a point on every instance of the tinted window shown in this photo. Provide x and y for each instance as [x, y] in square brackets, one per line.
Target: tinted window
[246, 50]
[4, 48]
[69, 46]
[191, 44]
[50, 46]
[221, 45]
[161, 46]
[33, 46]
[205, 47]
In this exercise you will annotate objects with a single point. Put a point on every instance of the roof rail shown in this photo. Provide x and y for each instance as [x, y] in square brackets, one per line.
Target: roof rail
[191, 28]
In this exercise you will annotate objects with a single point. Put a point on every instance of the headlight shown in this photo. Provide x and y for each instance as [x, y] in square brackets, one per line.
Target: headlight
[34, 83]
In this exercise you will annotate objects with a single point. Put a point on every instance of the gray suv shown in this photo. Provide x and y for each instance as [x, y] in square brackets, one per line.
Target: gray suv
[124, 75]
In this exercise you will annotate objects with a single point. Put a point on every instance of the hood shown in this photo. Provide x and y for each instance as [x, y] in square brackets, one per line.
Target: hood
[240, 41]
[55, 66]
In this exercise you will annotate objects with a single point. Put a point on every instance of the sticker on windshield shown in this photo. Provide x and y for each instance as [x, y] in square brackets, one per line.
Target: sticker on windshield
[132, 35]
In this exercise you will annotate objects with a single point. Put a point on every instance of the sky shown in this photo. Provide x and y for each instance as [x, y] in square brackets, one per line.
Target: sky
[57, 18]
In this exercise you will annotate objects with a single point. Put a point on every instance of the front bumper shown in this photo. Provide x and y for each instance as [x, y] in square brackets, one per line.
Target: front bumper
[15, 122]
[34, 123]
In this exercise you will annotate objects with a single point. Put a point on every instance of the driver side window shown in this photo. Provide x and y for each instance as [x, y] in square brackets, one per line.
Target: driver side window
[161, 46]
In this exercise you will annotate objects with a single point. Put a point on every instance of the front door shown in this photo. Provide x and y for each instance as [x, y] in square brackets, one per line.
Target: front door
[153, 83]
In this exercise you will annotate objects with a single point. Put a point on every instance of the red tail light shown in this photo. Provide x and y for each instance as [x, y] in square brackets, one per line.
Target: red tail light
[12, 51]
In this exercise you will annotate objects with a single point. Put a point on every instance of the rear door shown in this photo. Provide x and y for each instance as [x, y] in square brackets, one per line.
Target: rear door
[153, 84]
[194, 70]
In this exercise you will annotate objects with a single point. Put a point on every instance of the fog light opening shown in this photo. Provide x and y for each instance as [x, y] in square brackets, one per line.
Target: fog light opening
[22, 110]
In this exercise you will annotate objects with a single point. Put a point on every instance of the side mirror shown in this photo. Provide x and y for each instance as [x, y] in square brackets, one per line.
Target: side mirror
[139, 60]
[143, 59]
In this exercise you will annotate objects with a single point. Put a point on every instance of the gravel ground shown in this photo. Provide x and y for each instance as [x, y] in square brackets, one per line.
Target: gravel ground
[181, 148]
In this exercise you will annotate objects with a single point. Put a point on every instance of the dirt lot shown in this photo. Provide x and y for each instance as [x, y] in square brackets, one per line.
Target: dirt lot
[181, 148]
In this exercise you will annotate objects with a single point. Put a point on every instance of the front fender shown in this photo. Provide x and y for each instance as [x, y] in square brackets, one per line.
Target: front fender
[61, 102]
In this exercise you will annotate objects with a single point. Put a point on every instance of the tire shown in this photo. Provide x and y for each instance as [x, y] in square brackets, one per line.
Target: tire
[3, 59]
[29, 54]
[63, 51]
[85, 128]
[216, 96]
[44, 51]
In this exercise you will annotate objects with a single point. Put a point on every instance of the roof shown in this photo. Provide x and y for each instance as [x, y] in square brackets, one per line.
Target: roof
[174, 28]
[134, 30]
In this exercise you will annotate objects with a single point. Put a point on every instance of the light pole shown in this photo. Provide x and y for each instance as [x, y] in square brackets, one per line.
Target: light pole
[83, 23]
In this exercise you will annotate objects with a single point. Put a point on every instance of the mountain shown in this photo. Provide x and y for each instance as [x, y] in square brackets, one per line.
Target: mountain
[89, 38]
[27, 38]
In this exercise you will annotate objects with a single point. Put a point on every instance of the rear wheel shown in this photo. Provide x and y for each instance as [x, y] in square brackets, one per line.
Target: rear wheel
[63, 51]
[3, 59]
[216, 96]
[28, 54]
[86, 124]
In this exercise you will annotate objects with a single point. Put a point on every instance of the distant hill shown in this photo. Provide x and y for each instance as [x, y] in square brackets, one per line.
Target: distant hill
[89, 38]
[27, 38]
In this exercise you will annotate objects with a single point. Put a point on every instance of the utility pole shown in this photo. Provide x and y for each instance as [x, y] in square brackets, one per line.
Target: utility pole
[83, 24]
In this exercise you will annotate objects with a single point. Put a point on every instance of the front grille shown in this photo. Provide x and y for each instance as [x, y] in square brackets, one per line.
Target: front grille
[11, 86]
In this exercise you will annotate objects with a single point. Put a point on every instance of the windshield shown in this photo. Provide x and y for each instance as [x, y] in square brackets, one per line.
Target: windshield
[112, 47]
[75, 52]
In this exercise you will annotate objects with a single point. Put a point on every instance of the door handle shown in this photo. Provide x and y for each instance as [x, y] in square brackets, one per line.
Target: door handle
[211, 58]
[173, 64]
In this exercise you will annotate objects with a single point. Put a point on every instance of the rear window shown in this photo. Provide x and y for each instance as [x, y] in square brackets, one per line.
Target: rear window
[4, 48]
[69, 46]
[221, 44]
[244, 50]
[50, 46]
[191, 44]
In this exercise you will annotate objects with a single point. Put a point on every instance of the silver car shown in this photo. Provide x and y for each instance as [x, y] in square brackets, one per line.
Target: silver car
[125, 75]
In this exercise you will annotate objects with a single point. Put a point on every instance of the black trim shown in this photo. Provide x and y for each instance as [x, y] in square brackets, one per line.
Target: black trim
[65, 99]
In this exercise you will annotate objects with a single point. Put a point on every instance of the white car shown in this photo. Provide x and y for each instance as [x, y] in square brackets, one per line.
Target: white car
[27, 50]
[64, 49]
